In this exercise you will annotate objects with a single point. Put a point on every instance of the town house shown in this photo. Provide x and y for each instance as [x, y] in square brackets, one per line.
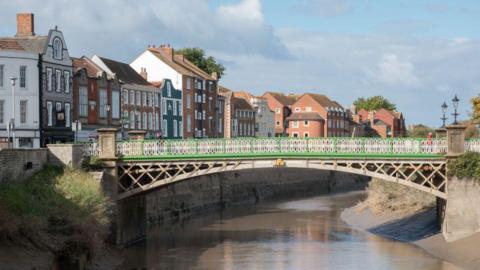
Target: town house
[280, 104]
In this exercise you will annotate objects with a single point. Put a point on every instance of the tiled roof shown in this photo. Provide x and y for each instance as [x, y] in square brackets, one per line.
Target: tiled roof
[243, 94]
[324, 101]
[304, 116]
[34, 44]
[223, 90]
[286, 100]
[93, 71]
[181, 60]
[241, 104]
[125, 72]
[178, 68]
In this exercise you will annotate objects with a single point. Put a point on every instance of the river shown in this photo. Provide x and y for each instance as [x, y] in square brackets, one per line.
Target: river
[294, 234]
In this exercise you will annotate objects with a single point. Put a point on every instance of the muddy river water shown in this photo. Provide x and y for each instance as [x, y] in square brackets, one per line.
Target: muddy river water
[294, 234]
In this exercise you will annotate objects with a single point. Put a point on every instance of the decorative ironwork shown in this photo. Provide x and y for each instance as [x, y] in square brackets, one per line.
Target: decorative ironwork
[428, 175]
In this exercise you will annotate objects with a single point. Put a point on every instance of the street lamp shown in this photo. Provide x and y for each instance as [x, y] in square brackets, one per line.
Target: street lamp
[444, 110]
[11, 125]
[455, 114]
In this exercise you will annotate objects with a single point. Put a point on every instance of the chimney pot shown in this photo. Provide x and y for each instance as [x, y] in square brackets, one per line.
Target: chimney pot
[25, 25]
[143, 73]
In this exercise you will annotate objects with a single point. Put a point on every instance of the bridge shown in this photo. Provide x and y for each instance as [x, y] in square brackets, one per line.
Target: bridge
[142, 165]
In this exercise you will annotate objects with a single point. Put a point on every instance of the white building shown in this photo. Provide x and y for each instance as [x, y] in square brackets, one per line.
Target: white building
[264, 117]
[23, 65]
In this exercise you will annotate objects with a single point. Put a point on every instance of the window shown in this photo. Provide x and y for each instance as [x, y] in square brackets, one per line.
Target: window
[150, 100]
[169, 89]
[157, 122]
[144, 98]
[295, 134]
[189, 84]
[298, 109]
[66, 78]
[295, 124]
[115, 104]
[164, 106]
[125, 97]
[23, 76]
[165, 128]
[306, 135]
[144, 121]
[189, 101]
[83, 101]
[175, 128]
[174, 107]
[179, 105]
[278, 123]
[49, 79]
[2, 76]
[49, 113]
[180, 129]
[132, 97]
[103, 103]
[308, 109]
[125, 119]
[204, 98]
[139, 98]
[150, 121]
[23, 111]
[305, 123]
[189, 123]
[57, 49]
[58, 80]
[157, 98]
[277, 110]
[132, 120]
[2, 110]
[138, 120]
[67, 114]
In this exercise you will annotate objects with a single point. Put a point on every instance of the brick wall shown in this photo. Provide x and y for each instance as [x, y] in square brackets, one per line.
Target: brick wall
[18, 164]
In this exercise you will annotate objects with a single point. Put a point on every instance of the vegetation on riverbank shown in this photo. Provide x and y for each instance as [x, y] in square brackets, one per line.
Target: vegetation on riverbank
[60, 210]
[385, 197]
[466, 166]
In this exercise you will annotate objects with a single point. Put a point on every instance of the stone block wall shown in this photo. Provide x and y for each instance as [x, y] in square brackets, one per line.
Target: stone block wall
[19, 164]
[65, 154]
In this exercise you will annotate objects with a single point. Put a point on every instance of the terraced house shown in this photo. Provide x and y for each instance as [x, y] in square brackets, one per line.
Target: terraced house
[96, 97]
[54, 79]
[199, 89]
[171, 115]
[281, 105]
[239, 118]
[140, 100]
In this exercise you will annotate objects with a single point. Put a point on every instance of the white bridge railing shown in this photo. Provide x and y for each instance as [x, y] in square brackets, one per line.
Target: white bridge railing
[284, 146]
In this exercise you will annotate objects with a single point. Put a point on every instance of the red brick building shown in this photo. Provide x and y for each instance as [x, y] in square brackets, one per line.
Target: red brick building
[280, 104]
[239, 117]
[383, 123]
[96, 98]
[315, 115]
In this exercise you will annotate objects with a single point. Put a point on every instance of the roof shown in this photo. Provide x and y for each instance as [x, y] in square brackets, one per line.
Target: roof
[305, 116]
[223, 90]
[286, 100]
[124, 72]
[323, 100]
[93, 71]
[181, 60]
[34, 44]
[241, 104]
[243, 94]
[178, 68]
[378, 122]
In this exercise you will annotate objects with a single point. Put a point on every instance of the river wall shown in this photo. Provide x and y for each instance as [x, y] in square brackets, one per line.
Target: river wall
[173, 203]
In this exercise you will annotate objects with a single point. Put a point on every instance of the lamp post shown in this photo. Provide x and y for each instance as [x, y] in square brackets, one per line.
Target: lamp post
[12, 120]
[444, 110]
[455, 114]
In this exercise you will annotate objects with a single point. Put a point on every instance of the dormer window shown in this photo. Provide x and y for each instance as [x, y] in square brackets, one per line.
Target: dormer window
[57, 48]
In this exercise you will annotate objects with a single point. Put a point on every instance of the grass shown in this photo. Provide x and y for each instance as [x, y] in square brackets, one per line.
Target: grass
[385, 197]
[65, 206]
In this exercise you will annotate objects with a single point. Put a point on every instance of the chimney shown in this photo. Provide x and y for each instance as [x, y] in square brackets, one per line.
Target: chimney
[167, 51]
[143, 73]
[215, 75]
[25, 25]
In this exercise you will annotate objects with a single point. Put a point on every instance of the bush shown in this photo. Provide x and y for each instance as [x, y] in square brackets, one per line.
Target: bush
[465, 166]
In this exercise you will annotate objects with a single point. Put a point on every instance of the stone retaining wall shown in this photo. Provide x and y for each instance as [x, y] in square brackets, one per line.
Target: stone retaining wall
[19, 164]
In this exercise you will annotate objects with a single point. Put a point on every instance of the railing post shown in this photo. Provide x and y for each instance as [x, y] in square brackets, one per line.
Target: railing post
[456, 140]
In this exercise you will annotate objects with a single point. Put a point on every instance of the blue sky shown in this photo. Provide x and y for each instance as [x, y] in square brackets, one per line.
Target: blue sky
[416, 53]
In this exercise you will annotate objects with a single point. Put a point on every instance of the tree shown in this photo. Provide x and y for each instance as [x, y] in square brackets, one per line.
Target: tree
[420, 131]
[374, 103]
[476, 108]
[206, 63]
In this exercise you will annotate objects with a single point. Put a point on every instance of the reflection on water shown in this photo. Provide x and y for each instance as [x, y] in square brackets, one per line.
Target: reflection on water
[300, 234]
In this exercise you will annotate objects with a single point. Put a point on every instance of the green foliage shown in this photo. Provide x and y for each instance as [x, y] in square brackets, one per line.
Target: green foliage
[374, 103]
[206, 63]
[465, 166]
[67, 205]
[420, 131]
[92, 163]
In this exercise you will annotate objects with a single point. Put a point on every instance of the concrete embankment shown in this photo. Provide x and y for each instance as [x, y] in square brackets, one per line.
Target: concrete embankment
[418, 225]
[173, 203]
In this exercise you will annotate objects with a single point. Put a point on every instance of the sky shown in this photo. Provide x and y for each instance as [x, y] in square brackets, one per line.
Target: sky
[418, 53]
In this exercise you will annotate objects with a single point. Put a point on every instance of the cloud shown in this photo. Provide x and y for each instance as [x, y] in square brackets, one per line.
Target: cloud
[123, 28]
[323, 8]
[394, 71]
